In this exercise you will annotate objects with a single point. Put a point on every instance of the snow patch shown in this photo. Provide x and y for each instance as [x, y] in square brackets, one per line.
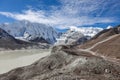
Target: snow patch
[109, 27]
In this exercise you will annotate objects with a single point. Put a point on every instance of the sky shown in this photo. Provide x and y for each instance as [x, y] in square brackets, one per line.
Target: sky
[62, 14]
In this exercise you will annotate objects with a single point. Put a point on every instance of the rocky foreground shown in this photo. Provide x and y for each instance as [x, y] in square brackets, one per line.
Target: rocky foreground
[97, 59]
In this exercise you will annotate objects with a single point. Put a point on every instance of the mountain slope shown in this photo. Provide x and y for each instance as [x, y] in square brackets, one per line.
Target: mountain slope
[105, 43]
[9, 42]
[30, 31]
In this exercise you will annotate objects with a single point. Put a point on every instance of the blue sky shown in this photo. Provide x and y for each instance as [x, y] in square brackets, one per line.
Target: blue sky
[62, 14]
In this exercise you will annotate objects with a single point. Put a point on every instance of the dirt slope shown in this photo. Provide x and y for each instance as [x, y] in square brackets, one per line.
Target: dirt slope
[101, 36]
[106, 43]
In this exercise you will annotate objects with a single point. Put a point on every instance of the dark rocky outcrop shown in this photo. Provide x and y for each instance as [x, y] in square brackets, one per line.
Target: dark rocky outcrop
[41, 40]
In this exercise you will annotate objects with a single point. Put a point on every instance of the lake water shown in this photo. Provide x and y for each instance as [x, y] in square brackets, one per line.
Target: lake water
[17, 58]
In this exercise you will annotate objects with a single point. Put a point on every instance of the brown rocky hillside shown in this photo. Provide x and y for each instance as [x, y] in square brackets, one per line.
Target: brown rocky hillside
[105, 43]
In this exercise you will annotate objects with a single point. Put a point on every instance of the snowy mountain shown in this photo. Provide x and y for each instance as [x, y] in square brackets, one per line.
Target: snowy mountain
[8, 42]
[26, 30]
[69, 37]
[87, 31]
[78, 34]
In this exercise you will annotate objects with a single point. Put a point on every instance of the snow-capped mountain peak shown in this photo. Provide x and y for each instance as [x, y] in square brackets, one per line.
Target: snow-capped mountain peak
[75, 34]
[87, 31]
[109, 27]
[30, 31]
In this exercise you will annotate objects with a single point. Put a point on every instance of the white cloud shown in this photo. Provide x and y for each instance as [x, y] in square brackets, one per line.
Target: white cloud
[71, 13]
[31, 16]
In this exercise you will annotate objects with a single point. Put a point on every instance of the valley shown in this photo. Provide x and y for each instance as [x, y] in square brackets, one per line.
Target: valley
[59, 40]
